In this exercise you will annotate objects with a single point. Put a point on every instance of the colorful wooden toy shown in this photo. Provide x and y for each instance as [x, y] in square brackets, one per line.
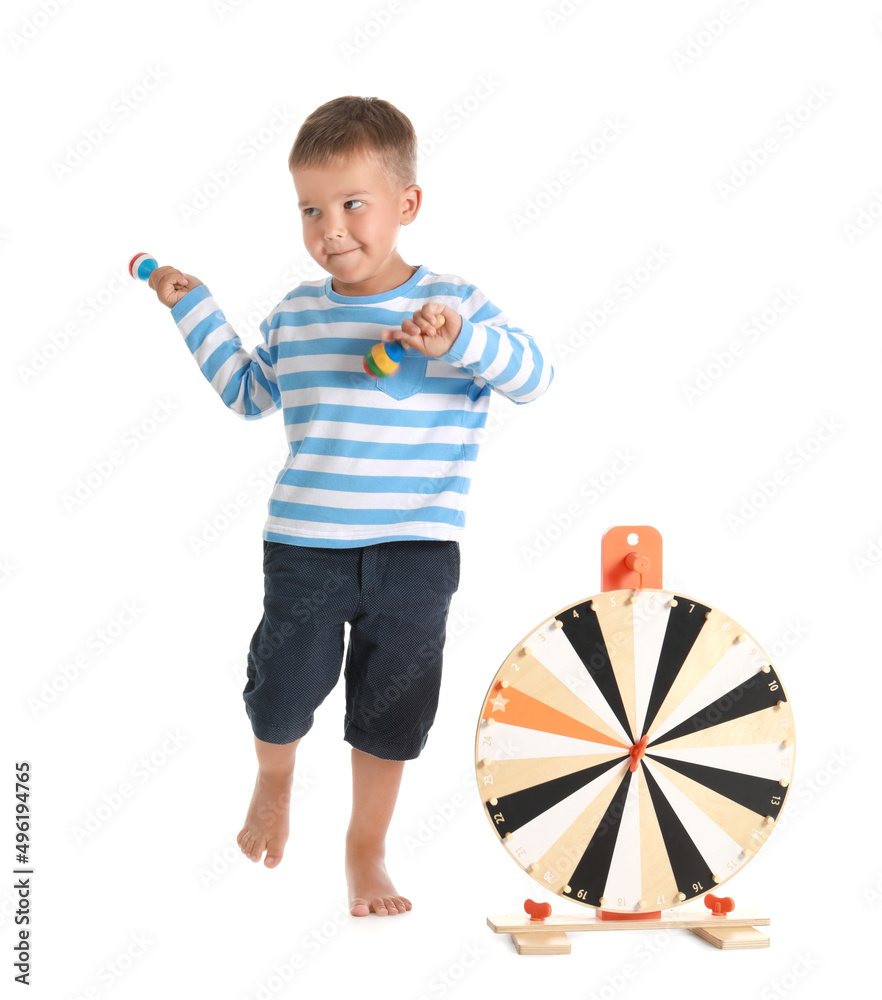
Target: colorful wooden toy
[142, 265]
[384, 358]
[634, 752]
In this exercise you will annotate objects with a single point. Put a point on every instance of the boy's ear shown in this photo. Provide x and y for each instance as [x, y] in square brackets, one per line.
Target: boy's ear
[411, 199]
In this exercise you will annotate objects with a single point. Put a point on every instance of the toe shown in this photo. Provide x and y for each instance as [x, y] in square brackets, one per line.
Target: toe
[274, 852]
[244, 837]
[380, 906]
[359, 907]
[245, 843]
[255, 846]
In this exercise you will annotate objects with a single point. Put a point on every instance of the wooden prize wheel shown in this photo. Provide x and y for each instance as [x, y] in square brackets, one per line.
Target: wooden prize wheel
[633, 753]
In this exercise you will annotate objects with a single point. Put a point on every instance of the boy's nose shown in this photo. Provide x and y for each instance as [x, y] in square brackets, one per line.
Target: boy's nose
[334, 229]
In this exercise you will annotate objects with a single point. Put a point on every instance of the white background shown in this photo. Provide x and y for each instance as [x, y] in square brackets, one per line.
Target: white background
[510, 91]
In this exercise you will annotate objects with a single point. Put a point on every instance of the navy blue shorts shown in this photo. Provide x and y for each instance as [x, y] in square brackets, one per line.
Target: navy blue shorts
[395, 596]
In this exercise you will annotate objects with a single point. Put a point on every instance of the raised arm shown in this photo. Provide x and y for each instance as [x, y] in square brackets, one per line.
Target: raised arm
[245, 382]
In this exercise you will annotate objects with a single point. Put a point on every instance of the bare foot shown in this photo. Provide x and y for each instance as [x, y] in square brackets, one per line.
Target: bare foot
[266, 825]
[370, 888]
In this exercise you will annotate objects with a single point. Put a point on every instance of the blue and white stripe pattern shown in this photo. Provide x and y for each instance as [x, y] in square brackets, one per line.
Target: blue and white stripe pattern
[371, 460]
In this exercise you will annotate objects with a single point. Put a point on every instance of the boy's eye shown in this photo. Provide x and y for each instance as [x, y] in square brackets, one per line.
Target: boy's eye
[352, 201]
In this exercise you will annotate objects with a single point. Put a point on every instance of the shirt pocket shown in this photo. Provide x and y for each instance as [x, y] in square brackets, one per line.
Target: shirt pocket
[408, 379]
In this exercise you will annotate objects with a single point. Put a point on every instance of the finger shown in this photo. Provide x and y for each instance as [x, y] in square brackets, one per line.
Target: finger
[390, 333]
[425, 318]
[156, 276]
[426, 326]
[413, 328]
[412, 340]
[433, 313]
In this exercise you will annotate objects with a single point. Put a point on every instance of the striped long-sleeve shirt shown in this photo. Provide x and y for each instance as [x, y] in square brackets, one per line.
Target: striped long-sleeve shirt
[370, 460]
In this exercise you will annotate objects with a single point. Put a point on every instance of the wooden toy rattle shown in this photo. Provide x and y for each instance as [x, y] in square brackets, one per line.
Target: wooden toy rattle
[142, 265]
[633, 752]
[384, 358]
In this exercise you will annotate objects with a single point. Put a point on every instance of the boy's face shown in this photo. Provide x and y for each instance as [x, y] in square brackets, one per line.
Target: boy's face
[351, 216]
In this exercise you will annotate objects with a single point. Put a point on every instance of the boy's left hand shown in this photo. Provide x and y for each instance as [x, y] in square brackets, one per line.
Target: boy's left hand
[423, 333]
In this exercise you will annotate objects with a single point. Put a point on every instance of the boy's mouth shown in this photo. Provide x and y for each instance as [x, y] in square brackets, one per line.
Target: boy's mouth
[341, 253]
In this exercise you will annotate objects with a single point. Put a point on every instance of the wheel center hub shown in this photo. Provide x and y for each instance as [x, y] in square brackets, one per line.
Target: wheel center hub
[637, 751]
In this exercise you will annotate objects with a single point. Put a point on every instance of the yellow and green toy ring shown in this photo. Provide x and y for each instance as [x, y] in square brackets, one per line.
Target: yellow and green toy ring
[384, 358]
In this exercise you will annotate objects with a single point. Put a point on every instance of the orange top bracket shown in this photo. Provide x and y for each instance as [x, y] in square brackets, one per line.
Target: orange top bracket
[634, 564]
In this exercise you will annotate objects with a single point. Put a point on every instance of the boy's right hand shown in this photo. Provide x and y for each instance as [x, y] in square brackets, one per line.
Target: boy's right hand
[171, 285]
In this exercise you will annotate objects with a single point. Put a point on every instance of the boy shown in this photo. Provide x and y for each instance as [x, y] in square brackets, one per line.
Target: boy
[364, 520]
